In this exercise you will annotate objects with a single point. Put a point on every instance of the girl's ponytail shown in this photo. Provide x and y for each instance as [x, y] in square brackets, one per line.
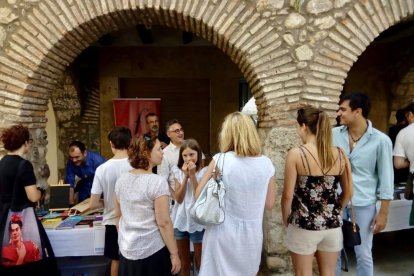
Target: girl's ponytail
[324, 140]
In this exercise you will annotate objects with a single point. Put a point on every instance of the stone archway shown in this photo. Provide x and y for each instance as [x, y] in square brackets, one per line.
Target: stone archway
[288, 54]
[49, 38]
[49, 35]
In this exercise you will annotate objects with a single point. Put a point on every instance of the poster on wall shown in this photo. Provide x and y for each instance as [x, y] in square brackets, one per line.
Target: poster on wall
[132, 112]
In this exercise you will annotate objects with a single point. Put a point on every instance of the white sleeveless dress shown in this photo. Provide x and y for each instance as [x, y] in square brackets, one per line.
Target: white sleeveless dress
[234, 247]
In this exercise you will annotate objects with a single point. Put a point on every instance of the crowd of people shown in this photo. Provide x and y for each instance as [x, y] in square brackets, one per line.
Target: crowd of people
[150, 184]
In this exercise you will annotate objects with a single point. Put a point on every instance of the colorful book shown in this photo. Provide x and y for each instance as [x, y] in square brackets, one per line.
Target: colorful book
[85, 223]
[51, 215]
[51, 223]
[69, 222]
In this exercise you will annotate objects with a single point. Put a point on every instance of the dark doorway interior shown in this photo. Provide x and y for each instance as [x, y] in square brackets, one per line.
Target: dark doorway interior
[187, 100]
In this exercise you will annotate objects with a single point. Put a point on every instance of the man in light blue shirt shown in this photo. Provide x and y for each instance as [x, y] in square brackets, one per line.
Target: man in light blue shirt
[370, 153]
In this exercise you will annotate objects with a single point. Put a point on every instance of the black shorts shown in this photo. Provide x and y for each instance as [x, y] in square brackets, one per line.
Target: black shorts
[158, 264]
[111, 250]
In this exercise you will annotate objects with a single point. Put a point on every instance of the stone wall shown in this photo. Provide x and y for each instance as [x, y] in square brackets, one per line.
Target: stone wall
[290, 52]
[76, 103]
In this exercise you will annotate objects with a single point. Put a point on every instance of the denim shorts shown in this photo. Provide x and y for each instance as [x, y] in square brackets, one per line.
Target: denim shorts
[196, 237]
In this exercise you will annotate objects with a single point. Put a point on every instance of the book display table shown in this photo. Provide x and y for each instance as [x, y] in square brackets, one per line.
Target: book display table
[399, 215]
[78, 241]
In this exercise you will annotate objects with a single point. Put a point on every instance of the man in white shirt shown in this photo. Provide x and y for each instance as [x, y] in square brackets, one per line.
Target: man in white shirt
[171, 152]
[104, 181]
[404, 147]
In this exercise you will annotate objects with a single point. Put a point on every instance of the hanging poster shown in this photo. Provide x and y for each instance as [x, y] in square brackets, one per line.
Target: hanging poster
[131, 113]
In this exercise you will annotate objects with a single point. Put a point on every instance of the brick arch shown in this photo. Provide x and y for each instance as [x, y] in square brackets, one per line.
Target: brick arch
[54, 33]
[349, 38]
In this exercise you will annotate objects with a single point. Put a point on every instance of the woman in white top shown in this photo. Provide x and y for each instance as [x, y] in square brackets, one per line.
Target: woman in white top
[187, 174]
[145, 232]
[234, 247]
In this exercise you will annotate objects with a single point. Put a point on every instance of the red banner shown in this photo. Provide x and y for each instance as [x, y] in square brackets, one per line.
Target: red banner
[131, 113]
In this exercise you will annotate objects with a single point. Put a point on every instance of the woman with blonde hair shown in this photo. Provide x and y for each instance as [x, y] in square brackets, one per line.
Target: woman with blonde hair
[234, 247]
[311, 206]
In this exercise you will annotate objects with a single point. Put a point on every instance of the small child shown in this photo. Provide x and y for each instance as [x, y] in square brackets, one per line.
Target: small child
[187, 174]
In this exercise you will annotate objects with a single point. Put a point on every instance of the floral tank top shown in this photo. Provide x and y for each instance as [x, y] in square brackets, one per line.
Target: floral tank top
[315, 204]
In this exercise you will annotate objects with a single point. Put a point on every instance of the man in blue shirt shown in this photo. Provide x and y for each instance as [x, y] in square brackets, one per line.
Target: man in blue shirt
[370, 153]
[81, 164]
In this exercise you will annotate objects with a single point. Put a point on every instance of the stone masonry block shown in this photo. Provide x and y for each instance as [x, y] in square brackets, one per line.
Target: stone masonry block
[344, 43]
[328, 70]
[323, 83]
[276, 263]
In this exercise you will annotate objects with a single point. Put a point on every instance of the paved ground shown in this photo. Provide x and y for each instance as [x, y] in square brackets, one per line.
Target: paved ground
[393, 254]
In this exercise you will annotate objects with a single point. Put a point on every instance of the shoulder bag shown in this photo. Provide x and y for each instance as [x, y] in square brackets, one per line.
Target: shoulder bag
[209, 207]
[350, 230]
[23, 239]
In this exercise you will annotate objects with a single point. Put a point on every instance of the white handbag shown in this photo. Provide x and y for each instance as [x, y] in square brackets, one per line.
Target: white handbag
[209, 206]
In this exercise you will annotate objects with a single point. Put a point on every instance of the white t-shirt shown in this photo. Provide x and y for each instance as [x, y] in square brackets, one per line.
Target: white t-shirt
[104, 183]
[169, 160]
[404, 145]
[183, 220]
[138, 235]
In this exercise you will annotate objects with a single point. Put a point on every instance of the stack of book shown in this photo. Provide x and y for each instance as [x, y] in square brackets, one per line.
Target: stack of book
[51, 223]
[87, 221]
[79, 216]
[69, 223]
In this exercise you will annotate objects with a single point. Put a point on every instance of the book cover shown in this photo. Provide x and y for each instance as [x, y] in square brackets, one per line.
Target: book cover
[51, 223]
[69, 222]
[64, 214]
[51, 215]
[85, 223]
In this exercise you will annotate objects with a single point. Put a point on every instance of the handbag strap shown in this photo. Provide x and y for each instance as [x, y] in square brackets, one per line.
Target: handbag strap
[217, 166]
[15, 186]
[352, 213]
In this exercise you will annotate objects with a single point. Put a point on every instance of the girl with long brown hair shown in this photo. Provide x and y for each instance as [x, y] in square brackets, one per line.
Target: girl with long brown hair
[311, 206]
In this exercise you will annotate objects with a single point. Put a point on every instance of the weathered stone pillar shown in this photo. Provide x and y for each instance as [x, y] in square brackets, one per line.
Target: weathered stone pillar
[277, 142]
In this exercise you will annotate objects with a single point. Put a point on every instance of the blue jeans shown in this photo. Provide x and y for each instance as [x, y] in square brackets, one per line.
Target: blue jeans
[363, 216]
